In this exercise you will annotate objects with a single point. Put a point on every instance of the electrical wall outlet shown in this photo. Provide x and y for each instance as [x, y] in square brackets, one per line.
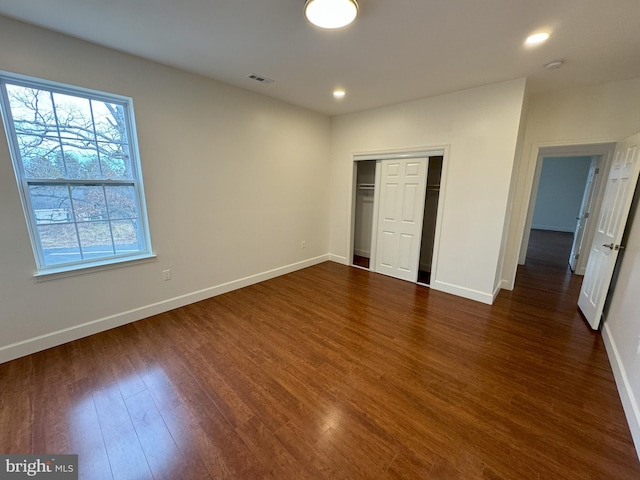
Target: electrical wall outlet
[166, 275]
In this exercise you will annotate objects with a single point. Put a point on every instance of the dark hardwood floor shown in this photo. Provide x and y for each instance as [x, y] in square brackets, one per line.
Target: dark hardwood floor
[333, 372]
[549, 249]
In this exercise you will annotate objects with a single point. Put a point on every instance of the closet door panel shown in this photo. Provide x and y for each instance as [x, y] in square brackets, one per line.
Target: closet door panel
[401, 204]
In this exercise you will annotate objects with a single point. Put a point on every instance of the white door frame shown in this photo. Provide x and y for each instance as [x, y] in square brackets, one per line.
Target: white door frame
[585, 216]
[417, 152]
[578, 150]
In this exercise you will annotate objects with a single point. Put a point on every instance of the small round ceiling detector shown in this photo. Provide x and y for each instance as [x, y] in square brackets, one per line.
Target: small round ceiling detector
[554, 64]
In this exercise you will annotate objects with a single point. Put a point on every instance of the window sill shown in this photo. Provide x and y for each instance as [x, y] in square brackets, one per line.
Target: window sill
[69, 271]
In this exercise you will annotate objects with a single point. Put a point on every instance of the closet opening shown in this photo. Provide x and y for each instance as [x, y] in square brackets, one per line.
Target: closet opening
[434, 176]
[395, 210]
[364, 206]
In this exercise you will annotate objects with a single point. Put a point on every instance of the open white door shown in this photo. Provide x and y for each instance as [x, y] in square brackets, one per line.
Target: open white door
[618, 195]
[584, 216]
[400, 214]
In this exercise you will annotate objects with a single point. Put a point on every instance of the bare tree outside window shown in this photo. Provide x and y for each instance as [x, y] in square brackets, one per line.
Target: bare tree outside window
[79, 174]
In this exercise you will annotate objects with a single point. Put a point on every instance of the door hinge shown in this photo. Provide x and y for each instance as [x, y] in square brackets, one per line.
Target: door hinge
[586, 215]
[597, 171]
[577, 256]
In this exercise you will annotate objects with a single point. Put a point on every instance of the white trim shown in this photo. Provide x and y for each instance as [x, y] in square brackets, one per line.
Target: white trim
[373, 259]
[469, 293]
[496, 291]
[444, 178]
[108, 264]
[506, 285]
[361, 253]
[338, 259]
[398, 155]
[584, 148]
[42, 342]
[629, 402]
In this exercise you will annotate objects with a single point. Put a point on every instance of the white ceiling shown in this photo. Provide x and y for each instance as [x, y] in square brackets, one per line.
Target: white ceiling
[397, 50]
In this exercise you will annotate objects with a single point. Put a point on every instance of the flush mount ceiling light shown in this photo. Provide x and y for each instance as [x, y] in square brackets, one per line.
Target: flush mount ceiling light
[536, 38]
[339, 93]
[331, 13]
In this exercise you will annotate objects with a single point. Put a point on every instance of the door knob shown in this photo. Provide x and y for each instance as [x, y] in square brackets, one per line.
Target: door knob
[610, 245]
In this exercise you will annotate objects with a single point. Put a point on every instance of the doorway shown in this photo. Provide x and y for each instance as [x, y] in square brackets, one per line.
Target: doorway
[394, 215]
[557, 216]
[565, 198]
[431, 202]
[364, 203]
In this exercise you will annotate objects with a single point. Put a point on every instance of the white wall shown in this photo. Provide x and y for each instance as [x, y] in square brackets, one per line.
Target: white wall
[560, 192]
[621, 329]
[479, 128]
[234, 182]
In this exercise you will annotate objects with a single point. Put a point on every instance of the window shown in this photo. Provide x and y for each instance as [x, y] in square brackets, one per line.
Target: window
[75, 157]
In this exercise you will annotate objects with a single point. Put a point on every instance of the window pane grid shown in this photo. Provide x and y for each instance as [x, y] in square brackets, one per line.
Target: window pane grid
[94, 236]
[78, 173]
[106, 205]
[55, 116]
[95, 136]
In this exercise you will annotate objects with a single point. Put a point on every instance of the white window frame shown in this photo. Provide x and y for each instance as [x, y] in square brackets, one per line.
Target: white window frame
[23, 183]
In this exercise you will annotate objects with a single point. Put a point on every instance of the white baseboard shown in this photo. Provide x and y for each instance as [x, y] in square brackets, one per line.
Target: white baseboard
[496, 291]
[362, 253]
[339, 259]
[42, 342]
[469, 293]
[629, 402]
[507, 284]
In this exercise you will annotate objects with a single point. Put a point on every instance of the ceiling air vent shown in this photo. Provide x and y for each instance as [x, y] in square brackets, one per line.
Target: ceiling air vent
[260, 78]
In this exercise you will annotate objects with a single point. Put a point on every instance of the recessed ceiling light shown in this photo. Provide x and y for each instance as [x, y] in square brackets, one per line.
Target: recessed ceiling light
[536, 38]
[339, 93]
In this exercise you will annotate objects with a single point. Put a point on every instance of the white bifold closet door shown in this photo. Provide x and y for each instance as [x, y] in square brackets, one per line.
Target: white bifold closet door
[400, 216]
